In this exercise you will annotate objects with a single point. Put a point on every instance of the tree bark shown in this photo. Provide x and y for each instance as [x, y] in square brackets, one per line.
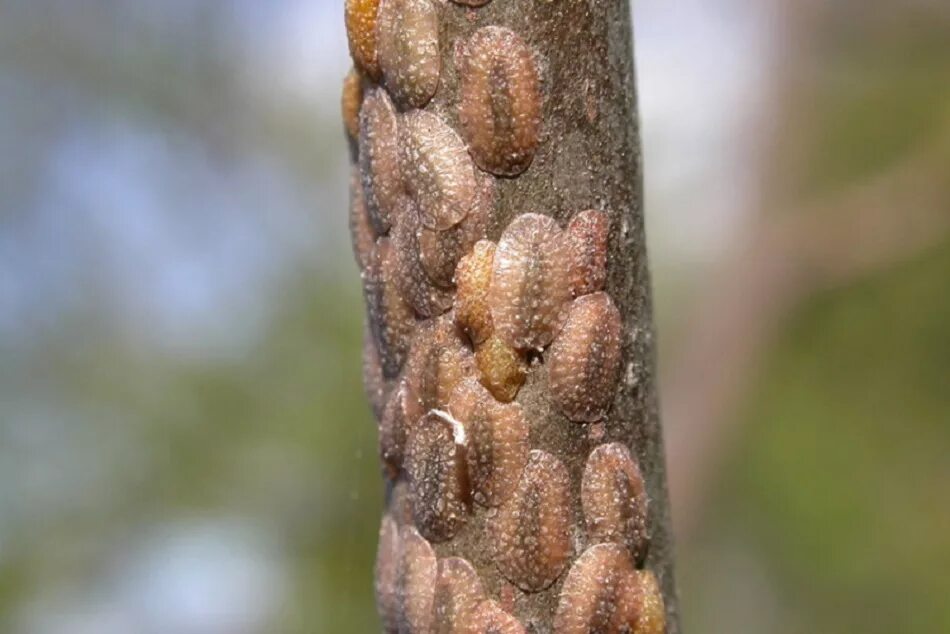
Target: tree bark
[588, 157]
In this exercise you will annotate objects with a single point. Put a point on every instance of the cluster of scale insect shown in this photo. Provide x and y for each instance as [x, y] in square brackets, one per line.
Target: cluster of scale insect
[455, 325]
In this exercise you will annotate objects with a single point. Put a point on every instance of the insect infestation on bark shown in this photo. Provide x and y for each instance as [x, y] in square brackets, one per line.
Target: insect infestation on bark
[497, 322]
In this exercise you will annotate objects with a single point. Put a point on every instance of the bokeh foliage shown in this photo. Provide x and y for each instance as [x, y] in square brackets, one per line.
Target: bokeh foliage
[829, 514]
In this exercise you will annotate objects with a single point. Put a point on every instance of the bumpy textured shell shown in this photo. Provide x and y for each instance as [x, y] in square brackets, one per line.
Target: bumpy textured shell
[529, 285]
[391, 319]
[489, 618]
[379, 159]
[415, 582]
[533, 528]
[438, 476]
[501, 368]
[350, 102]
[500, 105]
[438, 362]
[440, 251]
[458, 591]
[361, 19]
[361, 229]
[437, 170]
[497, 442]
[615, 500]
[408, 35]
[473, 281]
[586, 237]
[591, 597]
[386, 574]
[584, 362]
[427, 299]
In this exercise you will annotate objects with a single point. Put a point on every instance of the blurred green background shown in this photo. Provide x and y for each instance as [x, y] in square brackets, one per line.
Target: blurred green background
[184, 443]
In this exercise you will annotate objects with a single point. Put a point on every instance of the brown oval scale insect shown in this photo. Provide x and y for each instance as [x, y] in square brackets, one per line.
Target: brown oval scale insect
[361, 230]
[501, 368]
[391, 319]
[374, 384]
[458, 590]
[426, 298]
[473, 280]
[351, 101]
[586, 237]
[393, 429]
[438, 475]
[438, 361]
[500, 102]
[437, 170]
[529, 285]
[584, 361]
[532, 530]
[497, 442]
[440, 251]
[379, 159]
[408, 45]
[614, 499]
[490, 618]
[361, 19]
[590, 597]
[386, 573]
[415, 581]
[399, 505]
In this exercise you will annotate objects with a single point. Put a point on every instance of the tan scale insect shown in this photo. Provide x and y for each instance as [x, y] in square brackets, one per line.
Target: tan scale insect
[586, 237]
[440, 251]
[427, 299]
[473, 280]
[500, 100]
[350, 102]
[438, 361]
[386, 575]
[533, 527]
[415, 582]
[472, 3]
[498, 442]
[408, 33]
[379, 159]
[490, 618]
[437, 170]
[642, 599]
[584, 361]
[458, 590]
[361, 229]
[437, 471]
[529, 285]
[361, 18]
[593, 597]
[391, 319]
[501, 368]
[614, 499]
